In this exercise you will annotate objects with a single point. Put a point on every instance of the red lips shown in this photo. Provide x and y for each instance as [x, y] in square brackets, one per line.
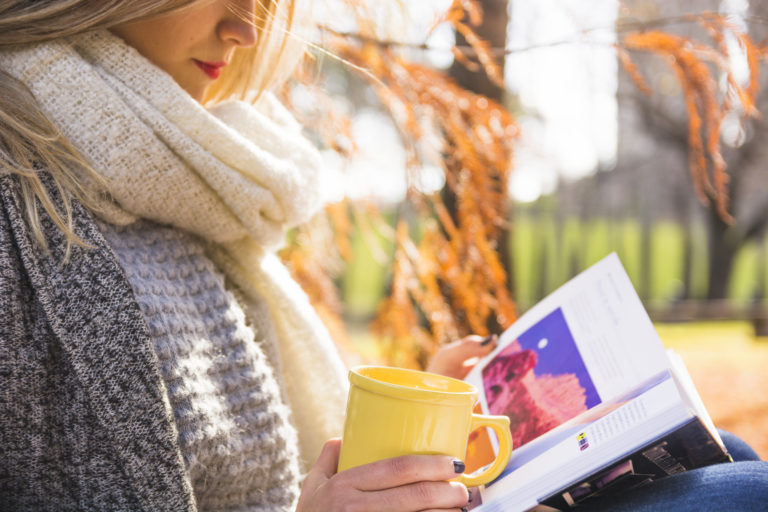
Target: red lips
[212, 69]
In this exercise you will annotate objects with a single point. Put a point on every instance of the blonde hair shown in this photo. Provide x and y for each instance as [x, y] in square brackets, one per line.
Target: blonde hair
[30, 144]
[268, 64]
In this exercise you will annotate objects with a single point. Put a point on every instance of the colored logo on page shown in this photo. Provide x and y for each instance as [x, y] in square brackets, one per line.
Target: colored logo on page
[583, 443]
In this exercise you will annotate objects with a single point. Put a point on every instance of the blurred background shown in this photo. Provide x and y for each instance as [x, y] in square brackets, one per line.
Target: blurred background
[481, 153]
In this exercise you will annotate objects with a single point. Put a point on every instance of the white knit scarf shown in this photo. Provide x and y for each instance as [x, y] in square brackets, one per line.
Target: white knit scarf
[235, 175]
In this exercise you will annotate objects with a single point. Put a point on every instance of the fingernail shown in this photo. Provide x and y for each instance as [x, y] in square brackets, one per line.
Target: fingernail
[469, 499]
[458, 466]
[487, 340]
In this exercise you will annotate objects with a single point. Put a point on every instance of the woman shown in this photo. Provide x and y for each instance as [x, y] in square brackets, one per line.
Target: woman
[150, 341]
[154, 354]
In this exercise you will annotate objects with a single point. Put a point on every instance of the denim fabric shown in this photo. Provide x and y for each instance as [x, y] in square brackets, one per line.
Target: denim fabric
[739, 450]
[739, 486]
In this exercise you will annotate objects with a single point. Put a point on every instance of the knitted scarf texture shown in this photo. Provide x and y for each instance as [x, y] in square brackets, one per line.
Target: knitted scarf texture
[234, 174]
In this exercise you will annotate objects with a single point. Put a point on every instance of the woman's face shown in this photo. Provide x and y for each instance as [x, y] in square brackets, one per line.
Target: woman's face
[194, 44]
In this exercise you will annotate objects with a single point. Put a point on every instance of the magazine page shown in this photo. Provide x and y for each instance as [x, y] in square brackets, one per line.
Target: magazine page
[530, 451]
[588, 342]
[688, 390]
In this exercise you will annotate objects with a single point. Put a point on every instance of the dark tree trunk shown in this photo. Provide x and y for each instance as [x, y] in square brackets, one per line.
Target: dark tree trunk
[758, 295]
[686, 292]
[646, 242]
[724, 242]
[684, 216]
[494, 30]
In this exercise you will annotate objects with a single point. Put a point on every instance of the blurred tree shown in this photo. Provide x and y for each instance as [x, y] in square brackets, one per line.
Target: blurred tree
[655, 138]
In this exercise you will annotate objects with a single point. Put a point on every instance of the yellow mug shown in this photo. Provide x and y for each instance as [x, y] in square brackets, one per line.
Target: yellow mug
[395, 411]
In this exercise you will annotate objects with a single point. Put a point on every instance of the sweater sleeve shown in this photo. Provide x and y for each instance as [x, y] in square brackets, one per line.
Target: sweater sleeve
[83, 423]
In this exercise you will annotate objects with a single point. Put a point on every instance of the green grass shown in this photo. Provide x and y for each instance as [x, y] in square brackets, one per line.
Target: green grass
[366, 276]
[744, 281]
[666, 261]
[546, 254]
[722, 335]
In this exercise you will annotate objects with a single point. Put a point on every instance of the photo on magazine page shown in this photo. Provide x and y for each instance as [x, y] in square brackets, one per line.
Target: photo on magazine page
[539, 380]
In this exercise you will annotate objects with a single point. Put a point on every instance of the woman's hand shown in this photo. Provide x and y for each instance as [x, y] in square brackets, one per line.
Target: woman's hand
[408, 483]
[458, 358]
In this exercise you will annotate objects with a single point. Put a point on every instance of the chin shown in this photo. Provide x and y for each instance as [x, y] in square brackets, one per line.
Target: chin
[197, 93]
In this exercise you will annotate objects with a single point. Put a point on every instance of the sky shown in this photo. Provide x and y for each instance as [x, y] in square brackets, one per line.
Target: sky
[567, 90]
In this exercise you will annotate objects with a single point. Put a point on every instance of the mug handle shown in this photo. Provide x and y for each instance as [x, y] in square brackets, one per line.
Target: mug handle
[500, 424]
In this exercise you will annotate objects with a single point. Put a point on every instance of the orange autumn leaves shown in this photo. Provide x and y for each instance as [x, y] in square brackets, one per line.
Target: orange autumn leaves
[448, 271]
[695, 65]
[448, 276]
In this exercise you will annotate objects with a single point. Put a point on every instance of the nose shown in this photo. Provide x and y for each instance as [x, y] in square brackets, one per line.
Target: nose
[239, 26]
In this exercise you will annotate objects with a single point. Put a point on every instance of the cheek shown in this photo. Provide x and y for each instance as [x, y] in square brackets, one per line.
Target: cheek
[153, 44]
[171, 54]
[168, 42]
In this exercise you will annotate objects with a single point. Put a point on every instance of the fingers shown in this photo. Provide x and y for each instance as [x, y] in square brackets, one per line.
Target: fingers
[471, 346]
[475, 346]
[457, 358]
[399, 471]
[408, 483]
[418, 497]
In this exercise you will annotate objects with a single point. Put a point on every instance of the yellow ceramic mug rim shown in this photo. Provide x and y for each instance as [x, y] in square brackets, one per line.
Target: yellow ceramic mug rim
[451, 391]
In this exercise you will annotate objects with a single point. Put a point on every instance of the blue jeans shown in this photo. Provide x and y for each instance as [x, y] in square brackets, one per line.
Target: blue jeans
[741, 486]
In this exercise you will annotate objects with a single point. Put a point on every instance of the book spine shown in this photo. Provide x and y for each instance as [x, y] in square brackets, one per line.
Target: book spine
[688, 447]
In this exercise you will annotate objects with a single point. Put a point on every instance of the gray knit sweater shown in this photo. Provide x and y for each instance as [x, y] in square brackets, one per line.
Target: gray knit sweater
[85, 419]
[238, 446]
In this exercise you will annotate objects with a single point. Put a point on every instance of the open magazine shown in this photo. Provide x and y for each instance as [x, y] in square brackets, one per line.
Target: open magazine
[596, 403]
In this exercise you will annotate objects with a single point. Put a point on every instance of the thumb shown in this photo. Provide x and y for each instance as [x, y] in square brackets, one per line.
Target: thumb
[321, 472]
[328, 460]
